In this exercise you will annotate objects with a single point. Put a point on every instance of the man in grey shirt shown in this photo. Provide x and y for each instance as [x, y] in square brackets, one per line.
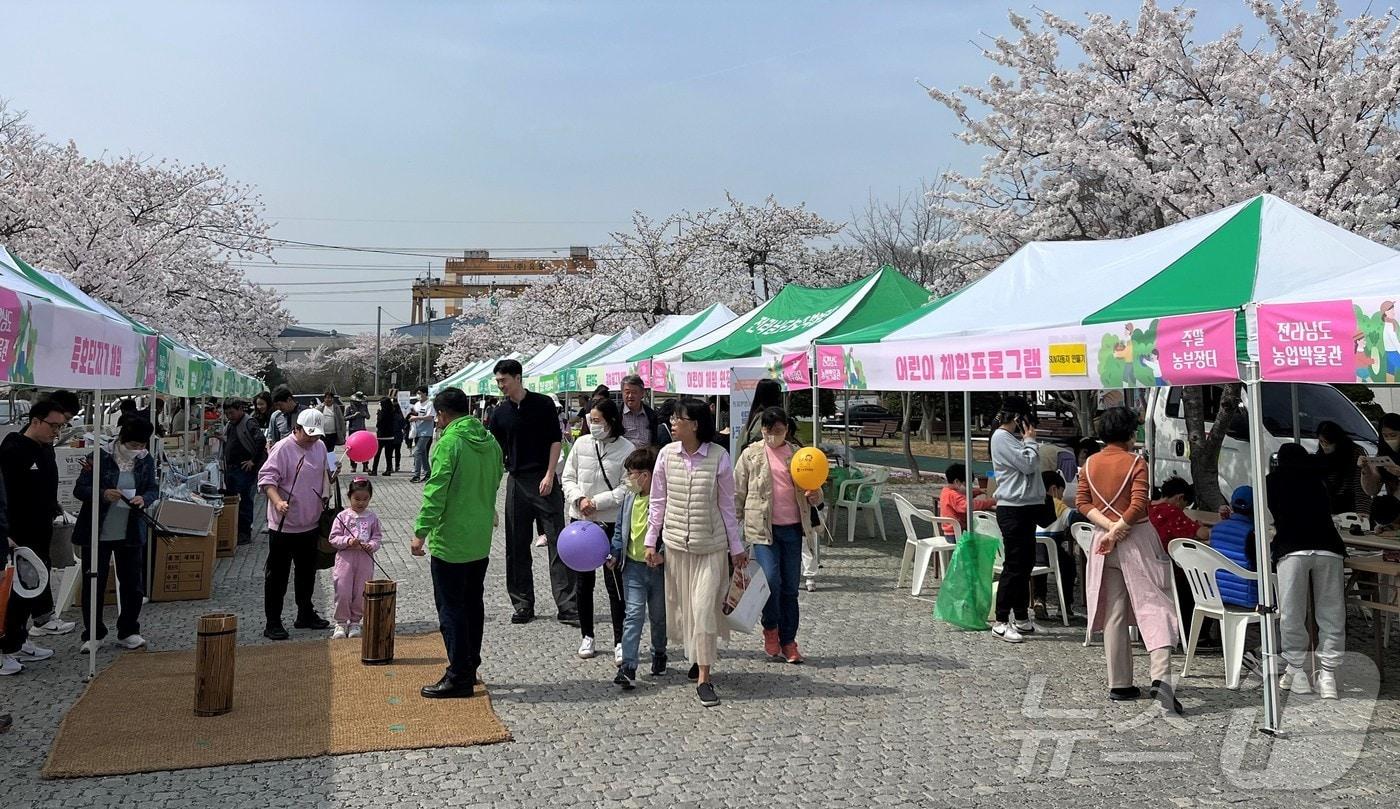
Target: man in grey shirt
[1020, 496]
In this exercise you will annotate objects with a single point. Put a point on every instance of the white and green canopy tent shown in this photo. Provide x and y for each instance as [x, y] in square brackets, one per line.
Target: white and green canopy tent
[546, 376]
[777, 334]
[459, 379]
[1164, 308]
[635, 357]
[572, 377]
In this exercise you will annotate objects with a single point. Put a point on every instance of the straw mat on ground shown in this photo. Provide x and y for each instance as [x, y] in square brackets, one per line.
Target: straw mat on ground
[291, 700]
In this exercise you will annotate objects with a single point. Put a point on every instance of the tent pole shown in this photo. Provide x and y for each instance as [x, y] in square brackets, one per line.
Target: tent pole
[846, 428]
[967, 434]
[1268, 623]
[93, 561]
[816, 442]
[1297, 420]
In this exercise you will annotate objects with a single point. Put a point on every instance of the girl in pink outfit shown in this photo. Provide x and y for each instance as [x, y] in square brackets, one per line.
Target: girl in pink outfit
[355, 535]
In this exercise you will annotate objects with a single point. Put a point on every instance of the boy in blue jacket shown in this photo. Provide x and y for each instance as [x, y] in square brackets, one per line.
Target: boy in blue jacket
[643, 579]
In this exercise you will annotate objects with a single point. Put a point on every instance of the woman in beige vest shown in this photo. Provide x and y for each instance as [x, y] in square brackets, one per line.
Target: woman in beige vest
[692, 512]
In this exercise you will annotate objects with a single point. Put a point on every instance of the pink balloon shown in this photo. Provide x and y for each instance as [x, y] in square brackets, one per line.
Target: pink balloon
[361, 446]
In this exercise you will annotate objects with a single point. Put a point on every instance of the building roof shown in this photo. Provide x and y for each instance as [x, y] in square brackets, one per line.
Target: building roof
[438, 328]
[303, 331]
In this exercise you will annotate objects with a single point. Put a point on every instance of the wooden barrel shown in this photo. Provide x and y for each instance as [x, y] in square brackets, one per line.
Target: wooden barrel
[377, 642]
[214, 663]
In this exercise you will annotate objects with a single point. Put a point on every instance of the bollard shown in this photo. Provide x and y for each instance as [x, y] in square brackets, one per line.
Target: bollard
[214, 663]
[377, 640]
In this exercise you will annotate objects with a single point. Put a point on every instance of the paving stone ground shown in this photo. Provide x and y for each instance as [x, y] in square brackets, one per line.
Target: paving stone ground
[891, 709]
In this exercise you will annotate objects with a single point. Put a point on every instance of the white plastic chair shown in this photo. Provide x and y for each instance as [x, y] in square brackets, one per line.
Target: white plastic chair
[919, 551]
[1201, 562]
[985, 523]
[853, 498]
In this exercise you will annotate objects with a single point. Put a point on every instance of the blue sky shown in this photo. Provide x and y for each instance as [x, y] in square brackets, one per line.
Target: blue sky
[510, 125]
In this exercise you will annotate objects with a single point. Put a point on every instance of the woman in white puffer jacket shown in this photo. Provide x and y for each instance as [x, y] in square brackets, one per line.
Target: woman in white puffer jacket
[595, 484]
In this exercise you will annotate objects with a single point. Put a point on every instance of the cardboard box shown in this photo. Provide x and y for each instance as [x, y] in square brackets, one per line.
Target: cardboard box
[183, 567]
[226, 527]
[185, 517]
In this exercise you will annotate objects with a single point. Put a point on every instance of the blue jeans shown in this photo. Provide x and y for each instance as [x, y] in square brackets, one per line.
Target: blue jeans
[644, 590]
[782, 565]
[241, 483]
[421, 466]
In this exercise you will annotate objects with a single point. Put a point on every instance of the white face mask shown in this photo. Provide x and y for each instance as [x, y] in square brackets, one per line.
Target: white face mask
[141, 453]
[1393, 443]
[598, 431]
[633, 486]
[774, 441]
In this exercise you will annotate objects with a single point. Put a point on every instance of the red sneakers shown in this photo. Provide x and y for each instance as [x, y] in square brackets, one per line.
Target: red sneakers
[770, 643]
[790, 652]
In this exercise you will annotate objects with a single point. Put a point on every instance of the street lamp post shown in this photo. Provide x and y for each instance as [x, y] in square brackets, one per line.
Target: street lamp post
[378, 332]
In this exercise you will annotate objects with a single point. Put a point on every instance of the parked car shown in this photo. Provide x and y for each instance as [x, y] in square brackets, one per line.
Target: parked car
[862, 413]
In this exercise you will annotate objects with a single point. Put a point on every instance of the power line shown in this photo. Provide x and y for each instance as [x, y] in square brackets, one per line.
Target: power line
[262, 265]
[454, 221]
[398, 281]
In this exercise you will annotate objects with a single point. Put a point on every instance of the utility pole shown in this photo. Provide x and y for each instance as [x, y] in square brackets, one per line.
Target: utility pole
[378, 332]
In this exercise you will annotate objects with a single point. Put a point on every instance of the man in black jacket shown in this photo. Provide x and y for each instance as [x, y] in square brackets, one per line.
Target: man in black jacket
[31, 477]
[245, 449]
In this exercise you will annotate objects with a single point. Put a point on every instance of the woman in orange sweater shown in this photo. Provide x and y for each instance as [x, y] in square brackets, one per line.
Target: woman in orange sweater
[1129, 572]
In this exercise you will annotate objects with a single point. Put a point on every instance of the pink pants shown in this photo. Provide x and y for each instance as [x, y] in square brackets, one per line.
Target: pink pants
[353, 567]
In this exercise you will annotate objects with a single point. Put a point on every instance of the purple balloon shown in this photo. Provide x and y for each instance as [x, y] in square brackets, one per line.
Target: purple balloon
[583, 546]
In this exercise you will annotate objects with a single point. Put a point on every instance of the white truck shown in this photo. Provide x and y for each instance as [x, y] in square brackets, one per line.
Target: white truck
[1315, 404]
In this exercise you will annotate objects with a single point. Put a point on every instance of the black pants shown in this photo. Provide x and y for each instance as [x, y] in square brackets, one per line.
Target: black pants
[391, 450]
[1017, 524]
[617, 608]
[284, 549]
[458, 593]
[20, 610]
[1069, 571]
[525, 507]
[243, 484]
[329, 439]
[131, 587]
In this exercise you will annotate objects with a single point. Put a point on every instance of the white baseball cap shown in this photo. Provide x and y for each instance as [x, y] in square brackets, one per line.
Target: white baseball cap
[311, 422]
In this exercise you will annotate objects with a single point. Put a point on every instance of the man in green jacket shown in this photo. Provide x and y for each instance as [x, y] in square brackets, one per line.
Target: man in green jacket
[455, 524]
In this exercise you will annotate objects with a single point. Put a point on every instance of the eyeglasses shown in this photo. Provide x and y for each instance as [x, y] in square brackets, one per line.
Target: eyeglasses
[56, 425]
[678, 419]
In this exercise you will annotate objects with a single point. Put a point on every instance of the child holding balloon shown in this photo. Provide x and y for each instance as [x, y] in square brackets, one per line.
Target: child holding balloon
[355, 535]
[775, 507]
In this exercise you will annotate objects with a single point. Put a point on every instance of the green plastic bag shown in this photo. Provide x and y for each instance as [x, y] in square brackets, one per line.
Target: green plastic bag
[965, 596]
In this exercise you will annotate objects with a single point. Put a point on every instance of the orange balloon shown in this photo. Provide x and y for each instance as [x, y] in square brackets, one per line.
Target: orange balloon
[809, 468]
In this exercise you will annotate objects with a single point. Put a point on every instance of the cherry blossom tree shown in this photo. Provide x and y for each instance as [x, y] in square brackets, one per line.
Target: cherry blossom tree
[1110, 128]
[153, 238]
[738, 255]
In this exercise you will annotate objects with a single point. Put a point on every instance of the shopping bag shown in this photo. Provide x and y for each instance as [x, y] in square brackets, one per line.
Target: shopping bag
[965, 596]
[748, 592]
[7, 576]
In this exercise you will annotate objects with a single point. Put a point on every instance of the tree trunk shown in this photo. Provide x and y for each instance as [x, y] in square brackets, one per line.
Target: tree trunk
[1205, 446]
[926, 425]
[904, 431]
[1084, 411]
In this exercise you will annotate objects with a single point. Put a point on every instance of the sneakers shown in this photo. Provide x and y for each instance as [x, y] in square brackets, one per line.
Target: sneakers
[626, 677]
[9, 665]
[658, 665]
[29, 653]
[617, 654]
[1007, 632]
[90, 646]
[354, 631]
[707, 694]
[1296, 681]
[811, 585]
[585, 649]
[790, 653]
[339, 632]
[132, 641]
[1027, 627]
[522, 617]
[1327, 684]
[53, 626]
[770, 643]
[541, 541]
[1039, 610]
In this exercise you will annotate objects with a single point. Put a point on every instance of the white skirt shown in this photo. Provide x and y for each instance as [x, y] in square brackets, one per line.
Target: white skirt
[696, 584]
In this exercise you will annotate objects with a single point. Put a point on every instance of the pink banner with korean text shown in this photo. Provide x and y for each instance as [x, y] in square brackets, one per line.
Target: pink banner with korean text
[1341, 341]
[1179, 350]
[796, 374]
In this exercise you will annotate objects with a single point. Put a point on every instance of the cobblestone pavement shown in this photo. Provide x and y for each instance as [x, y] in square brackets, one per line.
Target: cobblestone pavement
[890, 709]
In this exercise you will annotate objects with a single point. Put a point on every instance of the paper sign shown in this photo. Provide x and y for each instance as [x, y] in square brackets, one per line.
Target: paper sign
[1068, 359]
